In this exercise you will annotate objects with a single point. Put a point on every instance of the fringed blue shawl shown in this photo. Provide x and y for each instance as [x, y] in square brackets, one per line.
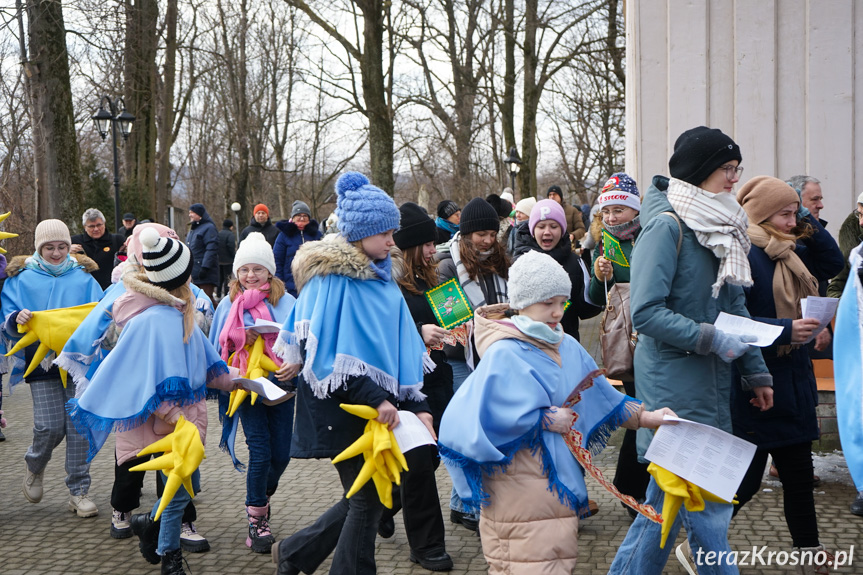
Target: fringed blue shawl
[83, 352]
[38, 290]
[149, 365]
[499, 409]
[351, 327]
[848, 366]
[229, 424]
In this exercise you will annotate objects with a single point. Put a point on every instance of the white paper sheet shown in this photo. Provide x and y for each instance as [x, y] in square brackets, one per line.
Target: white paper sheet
[821, 308]
[738, 325]
[706, 456]
[263, 387]
[265, 326]
[411, 432]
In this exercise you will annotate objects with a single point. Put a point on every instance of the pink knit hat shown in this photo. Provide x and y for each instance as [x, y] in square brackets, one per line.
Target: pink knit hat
[547, 210]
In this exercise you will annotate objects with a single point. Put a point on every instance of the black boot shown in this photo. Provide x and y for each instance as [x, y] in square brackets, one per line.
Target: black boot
[147, 531]
[172, 563]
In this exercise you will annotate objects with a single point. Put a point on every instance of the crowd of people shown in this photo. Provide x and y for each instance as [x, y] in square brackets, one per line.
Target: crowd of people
[512, 404]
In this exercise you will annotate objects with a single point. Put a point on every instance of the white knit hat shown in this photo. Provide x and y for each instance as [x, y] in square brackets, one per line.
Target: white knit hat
[255, 249]
[526, 205]
[536, 277]
[51, 231]
[167, 262]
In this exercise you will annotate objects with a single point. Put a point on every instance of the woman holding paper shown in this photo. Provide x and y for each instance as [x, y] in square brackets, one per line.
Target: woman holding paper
[784, 271]
[256, 294]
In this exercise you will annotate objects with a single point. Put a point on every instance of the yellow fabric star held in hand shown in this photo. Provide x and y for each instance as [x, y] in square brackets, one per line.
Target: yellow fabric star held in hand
[183, 452]
[384, 460]
[52, 328]
[6, 235]
[260, 365]
[678, 491]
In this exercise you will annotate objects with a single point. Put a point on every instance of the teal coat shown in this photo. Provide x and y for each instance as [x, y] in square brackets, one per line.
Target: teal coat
[673, 312]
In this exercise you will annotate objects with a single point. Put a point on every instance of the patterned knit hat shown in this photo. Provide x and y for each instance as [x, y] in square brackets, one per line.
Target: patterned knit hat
[363, 209]
[51, 231]
[167, 262]
[447, 208]
[620, 190]
[478, 216]
[255, 249]
[547, 210]
[536, 277]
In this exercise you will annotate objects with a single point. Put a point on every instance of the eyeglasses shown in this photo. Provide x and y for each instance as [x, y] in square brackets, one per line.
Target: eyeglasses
[731, 171]
[857, 213]
[617, 212]
[258, 271]
[300, 218]
[94, 226]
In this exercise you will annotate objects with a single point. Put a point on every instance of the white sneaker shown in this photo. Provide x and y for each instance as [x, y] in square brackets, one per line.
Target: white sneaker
[83, 506]
[33, 486]
[191, 540]
[684, 556]
[121, 528]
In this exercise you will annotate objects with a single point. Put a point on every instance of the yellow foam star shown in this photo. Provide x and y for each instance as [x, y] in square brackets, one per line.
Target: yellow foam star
[259, 365]
[6, 235]
[384, 460]
[678, 491]
[52, 328]
[182, 453]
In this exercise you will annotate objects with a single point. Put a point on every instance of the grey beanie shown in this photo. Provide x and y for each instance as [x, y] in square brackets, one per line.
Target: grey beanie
[300, 207]
[536, 277]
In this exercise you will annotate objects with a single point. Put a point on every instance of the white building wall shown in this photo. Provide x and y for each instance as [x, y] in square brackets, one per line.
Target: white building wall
[778, 76]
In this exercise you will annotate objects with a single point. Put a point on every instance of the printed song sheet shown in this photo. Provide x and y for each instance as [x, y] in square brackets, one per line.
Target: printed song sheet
[821, 308]
[738, 325]
[706, 456]
[265, 326]
[411, 432]
[263, 387]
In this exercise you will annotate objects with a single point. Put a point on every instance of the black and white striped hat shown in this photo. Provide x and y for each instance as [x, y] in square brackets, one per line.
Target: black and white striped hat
[167, 262]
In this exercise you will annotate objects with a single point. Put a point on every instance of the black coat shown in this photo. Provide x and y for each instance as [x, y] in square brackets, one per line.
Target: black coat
[270, 231]
[562, 253]
[102, 251]
[792, 419]
[227, 246]
[203, 240]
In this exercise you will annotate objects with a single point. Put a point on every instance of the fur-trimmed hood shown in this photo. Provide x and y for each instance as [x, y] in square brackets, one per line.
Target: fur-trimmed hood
[334, 255]
[18, 263]
[290, 229]
[135, 279]
[596, 228]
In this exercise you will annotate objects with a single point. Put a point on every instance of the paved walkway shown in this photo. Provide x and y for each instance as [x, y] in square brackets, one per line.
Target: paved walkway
[48, 539]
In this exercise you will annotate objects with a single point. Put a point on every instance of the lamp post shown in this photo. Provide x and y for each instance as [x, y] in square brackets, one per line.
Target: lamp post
[101, 118]
[513, 165]
[236, 207]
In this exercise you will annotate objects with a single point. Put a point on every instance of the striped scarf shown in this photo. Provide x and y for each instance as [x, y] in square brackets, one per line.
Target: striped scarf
[719, 223]
[472, 289]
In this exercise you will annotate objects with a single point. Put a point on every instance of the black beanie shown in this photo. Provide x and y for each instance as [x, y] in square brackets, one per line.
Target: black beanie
[227, 224]
[500, 205]
[699, 152]
[447, 208]
[478, 216]
[416, 227]
[555, 189]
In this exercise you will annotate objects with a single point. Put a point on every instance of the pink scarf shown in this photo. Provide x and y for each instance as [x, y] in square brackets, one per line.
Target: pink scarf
[233, 336]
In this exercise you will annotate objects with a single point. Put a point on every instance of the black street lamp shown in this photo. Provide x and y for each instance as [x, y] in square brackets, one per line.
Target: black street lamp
[102, 118]
[513, 165]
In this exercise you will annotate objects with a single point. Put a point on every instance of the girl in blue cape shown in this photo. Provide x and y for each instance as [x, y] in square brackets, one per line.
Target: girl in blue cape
[49, 279]
[352, 335]
[501, 436]
[256, 294]
[167, 364]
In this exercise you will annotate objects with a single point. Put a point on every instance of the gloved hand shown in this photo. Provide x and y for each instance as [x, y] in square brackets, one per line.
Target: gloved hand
[729, 346]
[557, 419]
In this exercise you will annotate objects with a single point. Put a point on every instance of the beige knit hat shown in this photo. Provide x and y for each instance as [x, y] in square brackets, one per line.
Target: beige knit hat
[51, 231]
[763, 196]
[525, 205]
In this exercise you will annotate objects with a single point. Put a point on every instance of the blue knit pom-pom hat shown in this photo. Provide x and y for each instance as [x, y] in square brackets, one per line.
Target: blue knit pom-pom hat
[363, 209]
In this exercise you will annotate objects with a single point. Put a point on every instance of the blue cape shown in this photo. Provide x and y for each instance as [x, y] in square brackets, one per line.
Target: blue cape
[499, 410]
[37, 290]
[229, 424]
[848, 367]
[351, 327]
[150, 364]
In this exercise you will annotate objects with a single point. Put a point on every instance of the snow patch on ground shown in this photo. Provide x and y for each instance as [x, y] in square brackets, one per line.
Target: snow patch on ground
[830, 467]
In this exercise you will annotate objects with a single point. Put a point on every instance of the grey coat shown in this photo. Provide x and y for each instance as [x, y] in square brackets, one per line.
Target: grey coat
[673, 312]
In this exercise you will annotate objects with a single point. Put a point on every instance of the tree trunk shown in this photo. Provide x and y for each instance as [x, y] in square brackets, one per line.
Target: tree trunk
[58, 174]
[527, 175]
[507, 111]
[166, 123]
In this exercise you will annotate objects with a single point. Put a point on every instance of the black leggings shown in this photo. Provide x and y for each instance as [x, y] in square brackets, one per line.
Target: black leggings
[794, 464]
[126, 493]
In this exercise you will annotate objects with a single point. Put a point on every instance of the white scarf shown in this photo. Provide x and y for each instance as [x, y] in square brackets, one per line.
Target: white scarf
[719, 223]
[472, 289]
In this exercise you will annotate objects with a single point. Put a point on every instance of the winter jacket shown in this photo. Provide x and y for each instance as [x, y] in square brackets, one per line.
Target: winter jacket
[270, 231]
[673, 312]
[289, 240]
[203, 240]
[101, 250]
[850, 236]
[795, 396]
[579, 307]
[227, 246]
[574, 223]
[322, 428]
